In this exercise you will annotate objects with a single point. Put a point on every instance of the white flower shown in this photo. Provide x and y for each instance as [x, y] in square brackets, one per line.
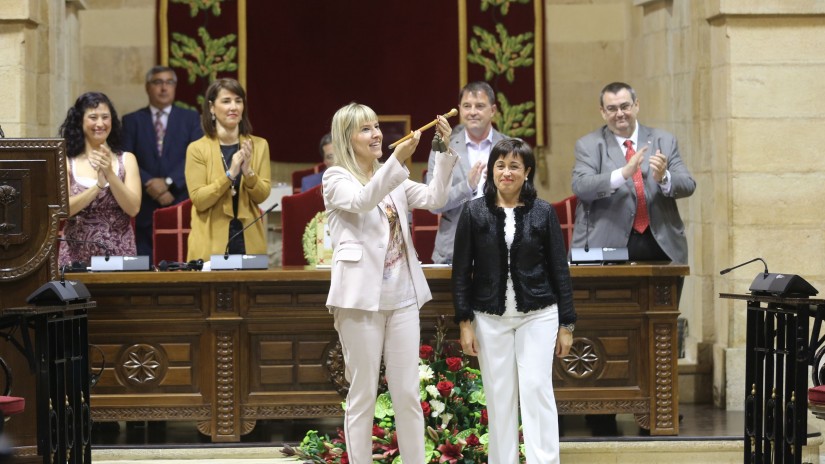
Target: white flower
[432, 391]
[445, 419]
[425, 372]
[437, 407]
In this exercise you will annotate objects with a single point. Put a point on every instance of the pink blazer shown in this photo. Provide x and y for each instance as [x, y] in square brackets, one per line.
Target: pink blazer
[360, 232]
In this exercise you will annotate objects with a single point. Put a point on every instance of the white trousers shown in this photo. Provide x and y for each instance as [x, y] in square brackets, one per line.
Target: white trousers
[364, 336]
[516, 360]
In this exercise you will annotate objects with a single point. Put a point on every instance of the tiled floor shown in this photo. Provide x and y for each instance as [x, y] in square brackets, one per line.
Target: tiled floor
[699, 422]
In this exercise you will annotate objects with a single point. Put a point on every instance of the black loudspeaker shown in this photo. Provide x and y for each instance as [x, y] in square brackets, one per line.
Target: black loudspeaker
[56, 292]
[782, 285]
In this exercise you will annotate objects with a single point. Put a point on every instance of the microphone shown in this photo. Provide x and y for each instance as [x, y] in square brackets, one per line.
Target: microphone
[98, 243]
[236, 234]
[586, 229]
[725, 271]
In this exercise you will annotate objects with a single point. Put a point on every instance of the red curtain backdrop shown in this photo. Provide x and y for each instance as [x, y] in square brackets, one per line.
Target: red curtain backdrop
[301, 61]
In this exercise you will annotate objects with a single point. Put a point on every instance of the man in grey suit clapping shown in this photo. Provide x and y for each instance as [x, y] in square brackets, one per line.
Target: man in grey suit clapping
[473, 142]
[627, 179]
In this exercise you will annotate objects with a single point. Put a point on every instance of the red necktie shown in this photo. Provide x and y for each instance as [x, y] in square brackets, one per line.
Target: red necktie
[159, 131]
[642, 220]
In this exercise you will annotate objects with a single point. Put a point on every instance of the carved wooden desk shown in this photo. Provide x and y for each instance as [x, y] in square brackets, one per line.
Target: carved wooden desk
[225, 349]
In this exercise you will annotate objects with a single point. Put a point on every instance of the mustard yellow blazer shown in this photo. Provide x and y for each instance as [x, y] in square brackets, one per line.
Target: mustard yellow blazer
[211, 194]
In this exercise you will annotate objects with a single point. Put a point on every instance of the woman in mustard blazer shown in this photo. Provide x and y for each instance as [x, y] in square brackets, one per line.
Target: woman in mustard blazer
[227, 172]
[377, 285]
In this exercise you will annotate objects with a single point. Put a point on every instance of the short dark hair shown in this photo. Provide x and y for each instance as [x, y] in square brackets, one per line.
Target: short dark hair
[325, 140]
[616, 87]
[245, 127]
[478, 86]
[72, 128]
[159, 69]
[520, 149]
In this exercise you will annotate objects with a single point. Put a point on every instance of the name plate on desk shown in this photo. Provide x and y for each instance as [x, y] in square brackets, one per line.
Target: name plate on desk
[225, 262]
[120, 263]
[598, 255]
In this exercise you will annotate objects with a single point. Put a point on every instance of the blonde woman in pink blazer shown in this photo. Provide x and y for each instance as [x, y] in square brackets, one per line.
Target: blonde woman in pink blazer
[377, 284]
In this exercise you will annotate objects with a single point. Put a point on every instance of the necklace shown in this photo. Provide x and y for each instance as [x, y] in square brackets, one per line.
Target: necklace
[223, 158]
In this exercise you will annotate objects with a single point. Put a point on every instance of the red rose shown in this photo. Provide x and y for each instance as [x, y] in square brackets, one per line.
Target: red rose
[425, 352]
[345, 458]
[483, 419]
[445, 387]
[425, 406]
[377, 431]
[454, 364]
[472, 440]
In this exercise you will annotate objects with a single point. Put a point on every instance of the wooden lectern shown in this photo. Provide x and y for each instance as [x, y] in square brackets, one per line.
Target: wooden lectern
[33, 201]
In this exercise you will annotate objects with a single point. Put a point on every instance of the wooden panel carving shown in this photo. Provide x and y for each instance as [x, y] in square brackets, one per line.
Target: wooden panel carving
[277, 355]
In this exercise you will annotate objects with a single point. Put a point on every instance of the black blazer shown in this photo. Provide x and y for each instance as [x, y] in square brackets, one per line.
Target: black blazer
[538, 261]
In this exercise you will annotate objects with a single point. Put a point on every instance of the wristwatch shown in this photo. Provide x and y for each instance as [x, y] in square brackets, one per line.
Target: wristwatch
[570, 327]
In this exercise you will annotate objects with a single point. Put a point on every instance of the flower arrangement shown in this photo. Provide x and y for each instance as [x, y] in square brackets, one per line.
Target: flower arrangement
[454, 407]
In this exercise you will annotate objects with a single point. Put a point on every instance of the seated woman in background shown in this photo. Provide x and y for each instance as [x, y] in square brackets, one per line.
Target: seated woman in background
[104, 183]
[227, 172]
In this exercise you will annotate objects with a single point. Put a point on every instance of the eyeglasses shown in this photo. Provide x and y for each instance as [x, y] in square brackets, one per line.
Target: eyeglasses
[159, 82]
[625, 107]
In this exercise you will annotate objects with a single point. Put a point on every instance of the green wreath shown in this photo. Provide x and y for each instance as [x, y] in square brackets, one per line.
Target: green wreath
[310, 239]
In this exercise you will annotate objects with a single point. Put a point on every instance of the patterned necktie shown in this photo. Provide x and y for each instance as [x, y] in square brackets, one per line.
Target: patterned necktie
[159, 131]
[642, 220]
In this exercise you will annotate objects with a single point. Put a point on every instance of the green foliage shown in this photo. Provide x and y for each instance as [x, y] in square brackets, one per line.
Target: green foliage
[197, 5]
[206, 60]
[515, 120]
[503, 4]
[501, 55]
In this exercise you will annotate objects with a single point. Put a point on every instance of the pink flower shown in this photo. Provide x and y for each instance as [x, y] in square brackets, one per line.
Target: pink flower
[445, 387]
[454, 364]
[450, 453]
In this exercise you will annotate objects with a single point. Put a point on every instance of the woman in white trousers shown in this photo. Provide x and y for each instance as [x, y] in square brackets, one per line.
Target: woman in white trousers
[377, 285]
[514, 303]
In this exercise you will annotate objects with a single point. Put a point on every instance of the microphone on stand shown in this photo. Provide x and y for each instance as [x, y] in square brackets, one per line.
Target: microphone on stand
[725, 271]
[778, 285]
[237, 261]
[236, 234]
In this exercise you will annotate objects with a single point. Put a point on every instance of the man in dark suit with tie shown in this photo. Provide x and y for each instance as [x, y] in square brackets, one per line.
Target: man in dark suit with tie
[473, 142]
[627, 178]
[158, 136]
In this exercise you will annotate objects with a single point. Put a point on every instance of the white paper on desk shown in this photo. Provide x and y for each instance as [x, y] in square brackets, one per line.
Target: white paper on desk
[436, 266]
[323, 266]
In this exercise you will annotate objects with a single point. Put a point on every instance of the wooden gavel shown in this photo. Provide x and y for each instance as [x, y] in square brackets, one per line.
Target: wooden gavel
[452, 113]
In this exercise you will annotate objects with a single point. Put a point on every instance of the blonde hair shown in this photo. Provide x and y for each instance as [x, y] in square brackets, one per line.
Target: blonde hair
[345, 121]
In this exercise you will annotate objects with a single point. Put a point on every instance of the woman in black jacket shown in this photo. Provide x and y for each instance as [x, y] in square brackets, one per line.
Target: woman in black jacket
[514, 303]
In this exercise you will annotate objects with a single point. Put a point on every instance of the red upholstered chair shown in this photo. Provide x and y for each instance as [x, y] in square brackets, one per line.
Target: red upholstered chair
[566, 211]
[301, 173]
[170, 232]
[296, 212]
[424, 229]
[9, 405]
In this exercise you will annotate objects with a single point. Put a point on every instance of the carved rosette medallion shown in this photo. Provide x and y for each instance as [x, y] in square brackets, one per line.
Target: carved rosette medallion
[585, 359]
[664, 355]
[142, 365]
[225, 382]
